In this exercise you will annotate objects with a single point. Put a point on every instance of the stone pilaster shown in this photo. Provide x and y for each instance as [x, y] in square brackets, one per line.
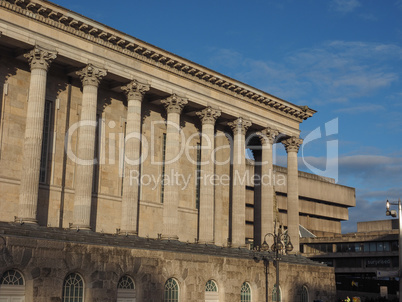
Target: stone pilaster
[292, 145]
[208, 117]
[239, 127]
[90, 77]
[129, 216]
[174, 105]
[267, 137]
[39, 60]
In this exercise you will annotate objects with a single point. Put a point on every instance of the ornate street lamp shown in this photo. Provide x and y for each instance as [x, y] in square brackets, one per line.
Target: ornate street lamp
[394, 214]
[281, 245]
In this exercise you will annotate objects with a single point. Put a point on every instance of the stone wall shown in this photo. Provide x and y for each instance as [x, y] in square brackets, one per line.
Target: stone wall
[45, 256]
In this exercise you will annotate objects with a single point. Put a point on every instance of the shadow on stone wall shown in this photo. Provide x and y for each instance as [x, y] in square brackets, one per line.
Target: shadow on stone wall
[54, 88]
[7, 70]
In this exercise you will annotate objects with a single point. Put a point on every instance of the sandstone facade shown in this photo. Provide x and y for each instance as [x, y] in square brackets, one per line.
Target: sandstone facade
[101, 132]
[46, 256]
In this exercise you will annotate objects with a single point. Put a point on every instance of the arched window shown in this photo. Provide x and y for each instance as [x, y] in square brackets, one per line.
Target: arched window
[126, 290]
[12, 277]
[211, 291]
[245, 295]
[12, 286]
[171, 293]
[276, 298]
[304, 294]
[73, 288]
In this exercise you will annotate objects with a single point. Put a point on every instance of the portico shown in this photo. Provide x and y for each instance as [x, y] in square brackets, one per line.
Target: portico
[162, 98]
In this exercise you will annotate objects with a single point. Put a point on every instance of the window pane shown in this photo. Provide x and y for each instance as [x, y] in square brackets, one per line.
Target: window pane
[126, 283]
[274, 295]
[73, 288]
[380, 246]
[245, 295]
[171, 291]
[211, 286]
[12, 277]
[358, 247]
[367, 247]
[304, 295]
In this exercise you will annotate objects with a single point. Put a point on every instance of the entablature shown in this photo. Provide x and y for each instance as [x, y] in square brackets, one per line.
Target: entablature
[84, 28]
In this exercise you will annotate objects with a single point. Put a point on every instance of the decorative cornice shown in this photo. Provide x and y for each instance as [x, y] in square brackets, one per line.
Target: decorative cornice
[40, 58]
[174, 103]
[292, 144]
[117, 41]
[91, 75]
[209, 115]
[268, 135]
[239, 126]
[135, 90]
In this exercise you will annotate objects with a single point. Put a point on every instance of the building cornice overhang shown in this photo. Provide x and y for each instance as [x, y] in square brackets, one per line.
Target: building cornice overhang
[31, 234]
[95, 32]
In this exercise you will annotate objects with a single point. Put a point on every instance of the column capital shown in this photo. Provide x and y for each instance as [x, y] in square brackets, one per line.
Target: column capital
[240, 125]
[268, 135]
[292, 144]
[40, 58]
[135, 90]
[174, 103]
[209, 115]
[91, 75]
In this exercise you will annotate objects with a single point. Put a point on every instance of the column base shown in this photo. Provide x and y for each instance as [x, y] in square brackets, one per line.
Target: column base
[79, 227]
[240, 246]
[25, 220]
[170, 237]
[127, 233]
[206, 242]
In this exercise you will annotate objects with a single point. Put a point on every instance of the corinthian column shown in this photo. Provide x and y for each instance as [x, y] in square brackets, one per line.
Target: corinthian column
[239, 127]
[135, 92]
[90, 77]
[174, 105]
[208, 117]
[39, 60]
[267, 137]
[292, 145]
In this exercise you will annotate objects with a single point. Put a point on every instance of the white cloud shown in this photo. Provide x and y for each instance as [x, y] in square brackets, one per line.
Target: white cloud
[361, 109]
[374, 172]
[370, 205]
[344, 6]
[369, 17]
[335, 71]
[373, 210]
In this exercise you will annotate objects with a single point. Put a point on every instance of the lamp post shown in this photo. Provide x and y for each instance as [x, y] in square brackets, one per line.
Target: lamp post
[394, 214]
[281, 244]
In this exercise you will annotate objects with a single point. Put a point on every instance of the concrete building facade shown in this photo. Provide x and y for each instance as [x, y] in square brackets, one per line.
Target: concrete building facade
[364, 261]
[102, 134]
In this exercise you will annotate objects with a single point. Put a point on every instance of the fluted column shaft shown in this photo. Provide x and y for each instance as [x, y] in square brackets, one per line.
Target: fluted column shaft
[292, 147]
[239, 127]
[174, 105]
[267, 137]
[90, 77]
[208, 117]
[129, 216]
[39, 60]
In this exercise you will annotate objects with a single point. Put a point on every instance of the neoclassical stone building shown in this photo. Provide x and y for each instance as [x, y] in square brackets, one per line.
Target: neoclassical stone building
[123, 172]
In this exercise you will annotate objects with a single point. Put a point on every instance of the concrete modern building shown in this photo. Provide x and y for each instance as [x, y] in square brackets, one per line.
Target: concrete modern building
[123, 172]
[365, 262]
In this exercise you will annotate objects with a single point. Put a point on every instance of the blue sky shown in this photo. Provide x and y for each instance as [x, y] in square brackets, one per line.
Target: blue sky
[342, 58]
